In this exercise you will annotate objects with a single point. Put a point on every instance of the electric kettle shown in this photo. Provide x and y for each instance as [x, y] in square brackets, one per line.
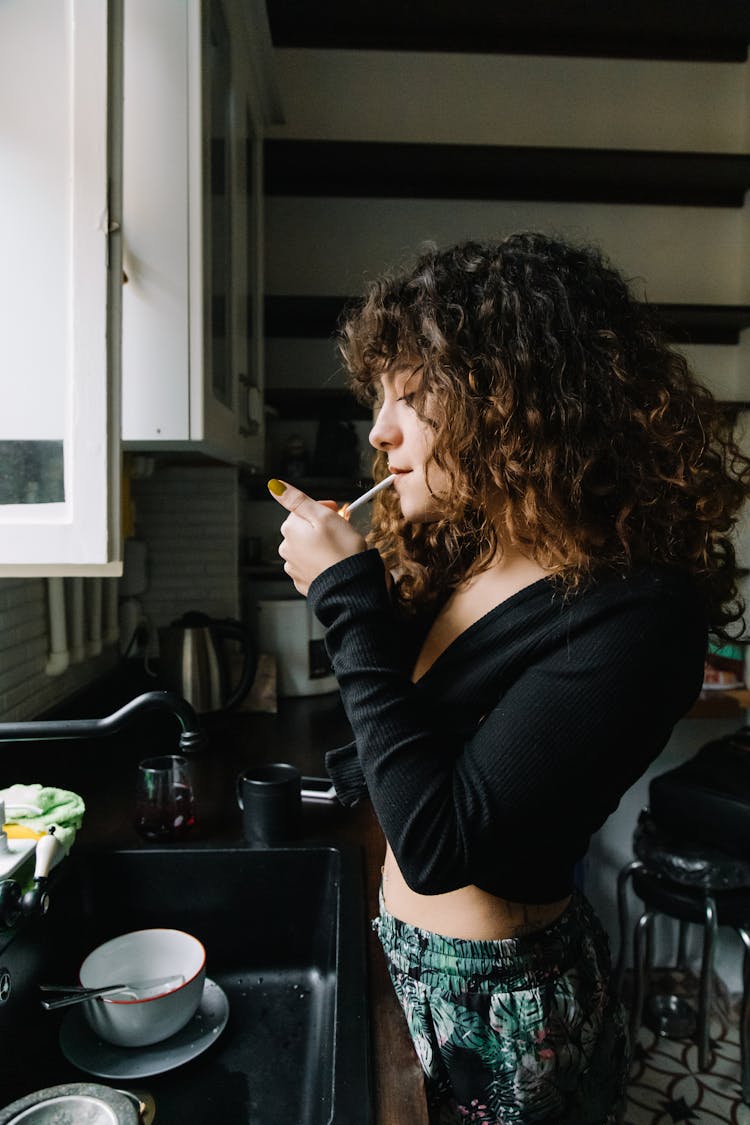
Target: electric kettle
[195, 663]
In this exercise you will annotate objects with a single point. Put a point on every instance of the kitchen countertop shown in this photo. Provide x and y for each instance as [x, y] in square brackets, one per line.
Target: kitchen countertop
[726, 704]
[103, 771]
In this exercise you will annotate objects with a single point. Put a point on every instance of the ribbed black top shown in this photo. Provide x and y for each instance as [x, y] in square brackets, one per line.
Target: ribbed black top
[497, 766]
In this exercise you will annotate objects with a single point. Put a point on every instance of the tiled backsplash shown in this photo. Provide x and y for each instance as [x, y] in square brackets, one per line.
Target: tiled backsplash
[26, 691]
[188, 516]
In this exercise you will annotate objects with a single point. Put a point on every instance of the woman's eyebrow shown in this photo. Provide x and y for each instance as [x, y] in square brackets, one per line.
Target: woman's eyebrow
[396, 378]
[414, 373]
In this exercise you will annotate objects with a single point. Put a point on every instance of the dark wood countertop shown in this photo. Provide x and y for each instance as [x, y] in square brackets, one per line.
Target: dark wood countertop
[103, 772]
[721, 705]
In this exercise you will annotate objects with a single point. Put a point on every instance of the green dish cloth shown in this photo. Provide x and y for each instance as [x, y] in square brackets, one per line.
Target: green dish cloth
[58, 807]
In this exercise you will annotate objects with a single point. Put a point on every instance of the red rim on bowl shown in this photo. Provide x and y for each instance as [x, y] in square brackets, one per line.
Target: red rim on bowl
[159, 995]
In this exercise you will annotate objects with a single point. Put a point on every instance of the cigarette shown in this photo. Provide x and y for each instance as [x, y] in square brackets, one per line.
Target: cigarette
[348, 508]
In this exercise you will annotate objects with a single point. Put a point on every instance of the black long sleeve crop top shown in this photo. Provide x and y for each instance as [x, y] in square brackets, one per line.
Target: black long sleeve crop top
[498, 764]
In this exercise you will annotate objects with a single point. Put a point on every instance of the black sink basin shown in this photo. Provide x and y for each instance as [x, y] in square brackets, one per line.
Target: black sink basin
[284, 933]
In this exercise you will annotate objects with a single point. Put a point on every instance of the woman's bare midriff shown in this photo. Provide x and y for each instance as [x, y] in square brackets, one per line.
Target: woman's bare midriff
[468, 912]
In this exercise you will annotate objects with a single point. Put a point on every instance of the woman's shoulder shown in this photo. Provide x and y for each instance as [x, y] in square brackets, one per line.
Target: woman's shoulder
[635, 608]
[641, 588]
[650, 613]
[646, 585]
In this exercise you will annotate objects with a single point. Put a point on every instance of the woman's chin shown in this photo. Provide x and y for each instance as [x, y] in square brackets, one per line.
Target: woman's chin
[420, 513]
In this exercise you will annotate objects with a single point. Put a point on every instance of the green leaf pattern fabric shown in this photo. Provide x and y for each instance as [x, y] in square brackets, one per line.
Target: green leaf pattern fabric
[513, 1032]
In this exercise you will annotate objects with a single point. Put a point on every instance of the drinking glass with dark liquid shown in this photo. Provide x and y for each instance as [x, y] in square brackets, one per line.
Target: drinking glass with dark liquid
[165, 806]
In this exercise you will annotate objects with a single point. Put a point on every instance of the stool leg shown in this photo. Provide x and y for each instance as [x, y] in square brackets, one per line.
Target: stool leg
[641, 946]
[682, 962]
[707, 968]
[622, 915]
[745, 1020]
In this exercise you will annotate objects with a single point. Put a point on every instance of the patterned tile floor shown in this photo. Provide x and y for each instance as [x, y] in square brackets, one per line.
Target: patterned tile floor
[665, 1085]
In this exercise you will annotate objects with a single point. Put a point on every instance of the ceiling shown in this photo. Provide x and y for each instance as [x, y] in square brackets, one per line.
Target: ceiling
[699, 30]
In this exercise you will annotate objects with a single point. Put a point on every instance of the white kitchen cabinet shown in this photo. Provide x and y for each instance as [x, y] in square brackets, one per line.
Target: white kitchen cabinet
[60, 103]
[198, 93]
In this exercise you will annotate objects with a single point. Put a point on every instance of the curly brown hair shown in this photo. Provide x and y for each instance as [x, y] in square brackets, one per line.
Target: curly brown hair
[559, 407]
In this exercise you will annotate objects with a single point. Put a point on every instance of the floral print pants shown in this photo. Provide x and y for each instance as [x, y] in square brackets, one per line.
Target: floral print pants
[515, 1031]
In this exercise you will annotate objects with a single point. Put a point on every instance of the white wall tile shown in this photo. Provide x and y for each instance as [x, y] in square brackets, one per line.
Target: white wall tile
[188, 516]
[26, 691]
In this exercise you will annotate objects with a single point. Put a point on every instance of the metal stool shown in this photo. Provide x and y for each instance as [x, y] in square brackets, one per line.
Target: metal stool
[693, 884]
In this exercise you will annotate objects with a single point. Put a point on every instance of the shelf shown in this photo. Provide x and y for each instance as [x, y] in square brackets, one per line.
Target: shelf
[686, 29]
[313, 402]
[704, 324]
[269, 570]
[296, 317]
[317, 317]
[721, 705]
[447, 171]
[322, 488]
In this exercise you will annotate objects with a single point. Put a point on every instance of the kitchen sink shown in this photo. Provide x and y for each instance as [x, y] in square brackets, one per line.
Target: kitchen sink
[284, 932]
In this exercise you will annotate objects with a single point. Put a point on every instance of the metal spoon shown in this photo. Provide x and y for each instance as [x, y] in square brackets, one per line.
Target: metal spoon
[76, 993]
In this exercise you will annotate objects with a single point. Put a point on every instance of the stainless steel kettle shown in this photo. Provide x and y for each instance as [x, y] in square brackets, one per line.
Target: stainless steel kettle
[194, 662]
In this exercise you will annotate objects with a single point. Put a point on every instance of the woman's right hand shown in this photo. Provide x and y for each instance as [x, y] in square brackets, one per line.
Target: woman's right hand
[315, 535]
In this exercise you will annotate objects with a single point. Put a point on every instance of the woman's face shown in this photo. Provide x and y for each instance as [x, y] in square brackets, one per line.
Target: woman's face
[407, 440]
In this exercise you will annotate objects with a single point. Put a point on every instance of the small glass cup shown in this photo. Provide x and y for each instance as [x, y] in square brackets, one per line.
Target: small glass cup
[165, 805]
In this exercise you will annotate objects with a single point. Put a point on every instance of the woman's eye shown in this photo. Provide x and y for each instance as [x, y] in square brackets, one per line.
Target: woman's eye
[408, 399]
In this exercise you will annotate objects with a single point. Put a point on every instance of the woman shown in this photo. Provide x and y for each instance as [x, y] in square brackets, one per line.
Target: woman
[515, 642]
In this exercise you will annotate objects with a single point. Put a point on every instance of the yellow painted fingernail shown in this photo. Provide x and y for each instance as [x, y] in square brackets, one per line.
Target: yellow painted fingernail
[277, 487]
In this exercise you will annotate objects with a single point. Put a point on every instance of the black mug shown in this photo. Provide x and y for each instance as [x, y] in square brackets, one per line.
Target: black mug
[271, 802]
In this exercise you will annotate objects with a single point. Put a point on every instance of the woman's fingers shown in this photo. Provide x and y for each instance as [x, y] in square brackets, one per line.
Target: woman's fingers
[294, 500]
[314, 537]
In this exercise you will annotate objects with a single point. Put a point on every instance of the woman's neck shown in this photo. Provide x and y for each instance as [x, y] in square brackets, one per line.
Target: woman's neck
[472, 599]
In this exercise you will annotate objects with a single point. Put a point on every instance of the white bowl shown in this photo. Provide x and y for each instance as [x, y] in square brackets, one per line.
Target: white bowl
[141, 1018]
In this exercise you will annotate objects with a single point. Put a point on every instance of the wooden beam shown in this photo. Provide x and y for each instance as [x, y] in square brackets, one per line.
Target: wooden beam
[694, 30]
[316, 317]
[449, 171]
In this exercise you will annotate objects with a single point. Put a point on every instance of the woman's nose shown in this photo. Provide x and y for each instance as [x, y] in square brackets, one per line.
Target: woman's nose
[385, 433]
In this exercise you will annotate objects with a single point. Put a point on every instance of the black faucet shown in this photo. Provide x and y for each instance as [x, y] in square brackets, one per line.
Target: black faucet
[13, 903]
[192, 737]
